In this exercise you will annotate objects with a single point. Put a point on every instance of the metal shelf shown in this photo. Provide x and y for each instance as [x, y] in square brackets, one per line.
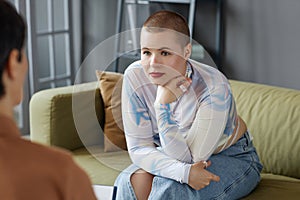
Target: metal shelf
[192, 8]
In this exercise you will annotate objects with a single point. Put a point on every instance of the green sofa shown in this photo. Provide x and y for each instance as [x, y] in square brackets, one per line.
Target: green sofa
[71, 117]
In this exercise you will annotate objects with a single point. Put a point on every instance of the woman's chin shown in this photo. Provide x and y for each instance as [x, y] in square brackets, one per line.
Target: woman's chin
[158, 81]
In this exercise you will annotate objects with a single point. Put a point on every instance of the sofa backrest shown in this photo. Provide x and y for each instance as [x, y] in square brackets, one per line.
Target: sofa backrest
[272, 115]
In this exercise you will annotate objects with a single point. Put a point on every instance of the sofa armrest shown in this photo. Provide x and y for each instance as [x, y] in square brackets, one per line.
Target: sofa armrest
[69, 117]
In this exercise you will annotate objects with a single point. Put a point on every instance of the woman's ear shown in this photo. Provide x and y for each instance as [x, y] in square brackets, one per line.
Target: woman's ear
[187, 51]
[13, 63]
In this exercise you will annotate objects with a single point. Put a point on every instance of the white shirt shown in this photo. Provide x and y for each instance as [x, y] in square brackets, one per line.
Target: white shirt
[165, 139]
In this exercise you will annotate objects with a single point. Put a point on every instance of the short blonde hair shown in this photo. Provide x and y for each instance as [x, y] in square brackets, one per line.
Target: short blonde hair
[163, 20]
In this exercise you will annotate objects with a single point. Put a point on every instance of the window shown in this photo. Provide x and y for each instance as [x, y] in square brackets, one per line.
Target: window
[50, 38]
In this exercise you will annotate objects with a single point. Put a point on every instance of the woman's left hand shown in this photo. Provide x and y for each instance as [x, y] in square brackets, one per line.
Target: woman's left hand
[174, 89]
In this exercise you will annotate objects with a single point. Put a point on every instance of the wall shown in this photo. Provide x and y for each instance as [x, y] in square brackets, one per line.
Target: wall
[262, 41]
[98, 24]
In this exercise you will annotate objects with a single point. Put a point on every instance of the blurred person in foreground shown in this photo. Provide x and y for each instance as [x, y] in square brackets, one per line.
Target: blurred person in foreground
[29, 171]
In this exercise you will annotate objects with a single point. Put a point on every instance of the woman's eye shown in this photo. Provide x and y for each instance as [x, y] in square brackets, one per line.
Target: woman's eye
[164, 53]
[146, 53]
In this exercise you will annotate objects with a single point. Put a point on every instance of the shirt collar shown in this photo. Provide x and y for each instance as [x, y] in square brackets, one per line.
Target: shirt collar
[188, 71]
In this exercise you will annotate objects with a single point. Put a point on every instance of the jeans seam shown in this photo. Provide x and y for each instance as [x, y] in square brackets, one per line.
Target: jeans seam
[255, 162]
[151, 192]
[131, 190]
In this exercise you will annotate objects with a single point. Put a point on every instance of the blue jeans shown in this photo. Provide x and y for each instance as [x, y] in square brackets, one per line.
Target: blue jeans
[238, 167]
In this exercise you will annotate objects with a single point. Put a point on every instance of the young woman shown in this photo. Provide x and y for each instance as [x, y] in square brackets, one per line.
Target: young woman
[183, 133]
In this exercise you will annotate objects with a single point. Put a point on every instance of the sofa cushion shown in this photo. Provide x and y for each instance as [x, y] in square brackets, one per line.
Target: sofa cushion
[272, 115]
[102, 167]
[110, 85]
[276, 187]
[62, 116]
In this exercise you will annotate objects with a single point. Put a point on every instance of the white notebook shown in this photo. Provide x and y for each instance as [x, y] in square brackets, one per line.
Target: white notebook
[104, 192]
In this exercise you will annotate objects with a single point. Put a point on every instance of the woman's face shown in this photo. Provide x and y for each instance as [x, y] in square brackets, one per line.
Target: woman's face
[162, 56]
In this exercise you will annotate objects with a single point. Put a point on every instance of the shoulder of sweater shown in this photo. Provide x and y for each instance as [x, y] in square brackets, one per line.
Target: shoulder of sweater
[47, 153]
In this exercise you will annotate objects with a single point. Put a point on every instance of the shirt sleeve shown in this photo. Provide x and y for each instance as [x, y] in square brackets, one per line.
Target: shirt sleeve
[172, 138]
[139, 137]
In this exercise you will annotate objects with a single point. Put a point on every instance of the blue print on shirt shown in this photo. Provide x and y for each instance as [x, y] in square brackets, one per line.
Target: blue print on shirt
[221, 101]
[139, 111]
[138, 108]
[166, 119]
[139, 114]
[166, 116]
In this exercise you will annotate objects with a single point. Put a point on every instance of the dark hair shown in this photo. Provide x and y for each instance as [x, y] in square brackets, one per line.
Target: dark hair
[165, 19]
[12, 35]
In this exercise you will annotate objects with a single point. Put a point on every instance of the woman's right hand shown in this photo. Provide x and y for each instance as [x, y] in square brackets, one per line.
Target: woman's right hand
[199, 177]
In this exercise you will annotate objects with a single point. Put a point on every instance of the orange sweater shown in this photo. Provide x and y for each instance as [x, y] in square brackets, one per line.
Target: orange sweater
[35, 172]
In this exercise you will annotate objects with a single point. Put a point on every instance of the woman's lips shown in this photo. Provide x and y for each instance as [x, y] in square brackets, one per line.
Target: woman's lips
[156, 74]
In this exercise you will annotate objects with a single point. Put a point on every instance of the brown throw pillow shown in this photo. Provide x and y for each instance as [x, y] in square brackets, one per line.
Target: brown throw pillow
[110, 84]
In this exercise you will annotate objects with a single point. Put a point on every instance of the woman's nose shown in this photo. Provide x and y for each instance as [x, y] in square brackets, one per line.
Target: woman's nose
[154, 60]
